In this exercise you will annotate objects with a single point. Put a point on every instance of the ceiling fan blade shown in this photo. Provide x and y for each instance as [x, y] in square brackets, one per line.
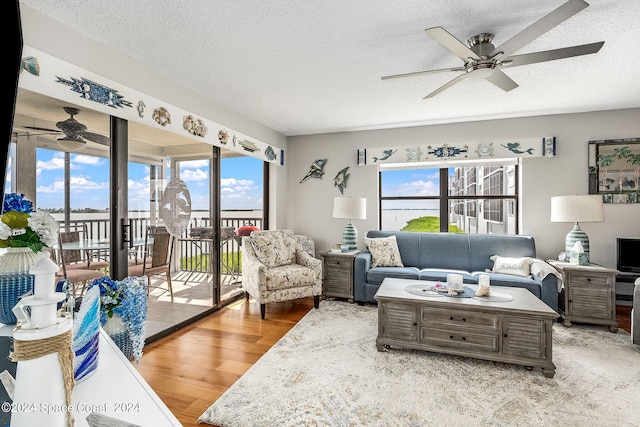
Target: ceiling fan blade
[540, 27]
[447, 85]
[458, 48]
[42, 129]
[97, 138]
[501, 80]
[551, 55]
[419, 73]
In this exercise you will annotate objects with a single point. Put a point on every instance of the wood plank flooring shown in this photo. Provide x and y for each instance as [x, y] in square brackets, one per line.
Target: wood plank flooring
[191, 368]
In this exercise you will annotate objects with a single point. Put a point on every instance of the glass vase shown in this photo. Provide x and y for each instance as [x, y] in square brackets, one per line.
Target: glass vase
[117, 330]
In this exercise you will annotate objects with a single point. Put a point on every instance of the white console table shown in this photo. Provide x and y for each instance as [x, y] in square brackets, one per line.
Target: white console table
[116, 390]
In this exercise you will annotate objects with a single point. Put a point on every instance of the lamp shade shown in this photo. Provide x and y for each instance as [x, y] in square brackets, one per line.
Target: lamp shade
[577, 209]
[350, 208]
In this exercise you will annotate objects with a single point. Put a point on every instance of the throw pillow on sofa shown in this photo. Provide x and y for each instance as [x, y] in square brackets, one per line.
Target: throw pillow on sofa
[384, 251]
[514, 266]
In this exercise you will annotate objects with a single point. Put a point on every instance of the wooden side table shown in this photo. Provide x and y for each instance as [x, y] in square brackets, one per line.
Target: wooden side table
[338, 274]
[588, 295]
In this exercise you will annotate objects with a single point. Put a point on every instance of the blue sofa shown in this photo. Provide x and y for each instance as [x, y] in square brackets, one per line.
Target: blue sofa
[431, 256]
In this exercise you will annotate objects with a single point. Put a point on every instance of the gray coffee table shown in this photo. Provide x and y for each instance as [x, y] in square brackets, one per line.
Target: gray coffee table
[515, 331]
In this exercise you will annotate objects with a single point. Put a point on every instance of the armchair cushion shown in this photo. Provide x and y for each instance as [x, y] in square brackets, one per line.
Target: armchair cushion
[274, 248]
[290, 276]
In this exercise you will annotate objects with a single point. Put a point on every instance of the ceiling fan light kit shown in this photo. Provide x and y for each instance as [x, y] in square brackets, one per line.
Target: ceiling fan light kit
[482, 60]
[71, 144]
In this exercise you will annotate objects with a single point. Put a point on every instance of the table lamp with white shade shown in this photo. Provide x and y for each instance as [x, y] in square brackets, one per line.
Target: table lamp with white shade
[350, 208]
[577, 209]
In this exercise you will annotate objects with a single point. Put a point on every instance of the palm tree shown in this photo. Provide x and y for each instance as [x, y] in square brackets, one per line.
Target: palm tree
[604, 161]
[621, 154]
[634, 159]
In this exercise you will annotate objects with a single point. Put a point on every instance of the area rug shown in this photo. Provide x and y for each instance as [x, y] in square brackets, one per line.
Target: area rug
[326, 371]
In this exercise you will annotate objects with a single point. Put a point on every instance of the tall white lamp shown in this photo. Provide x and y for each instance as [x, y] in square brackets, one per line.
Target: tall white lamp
[577, 209]
[349, 208]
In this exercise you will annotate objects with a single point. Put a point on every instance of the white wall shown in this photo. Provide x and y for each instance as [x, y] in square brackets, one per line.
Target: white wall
[307, 207]
[49, 36]
[61, 41]
[310, 203]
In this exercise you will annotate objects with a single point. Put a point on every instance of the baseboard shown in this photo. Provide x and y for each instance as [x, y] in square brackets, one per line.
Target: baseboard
[623, 299]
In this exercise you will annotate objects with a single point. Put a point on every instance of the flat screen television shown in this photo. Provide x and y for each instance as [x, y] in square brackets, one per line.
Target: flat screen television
[628, 255]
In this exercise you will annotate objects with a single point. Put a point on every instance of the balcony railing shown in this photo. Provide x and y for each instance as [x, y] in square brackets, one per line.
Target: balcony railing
[193, 255]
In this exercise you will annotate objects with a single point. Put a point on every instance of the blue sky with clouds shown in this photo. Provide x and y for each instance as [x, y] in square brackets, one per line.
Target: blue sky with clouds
[241, 183]
[411, 182]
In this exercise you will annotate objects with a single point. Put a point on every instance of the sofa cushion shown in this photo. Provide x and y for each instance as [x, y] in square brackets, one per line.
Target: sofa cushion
[520, 266]
[377, 274]
[483, 246]
[440, 275]
[431, 250]
[384, 252]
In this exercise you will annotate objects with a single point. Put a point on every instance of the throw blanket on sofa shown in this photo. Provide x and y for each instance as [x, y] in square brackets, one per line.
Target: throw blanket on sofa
[542, 269]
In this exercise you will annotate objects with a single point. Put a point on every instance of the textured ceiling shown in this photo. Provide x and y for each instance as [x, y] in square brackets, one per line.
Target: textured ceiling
[303, 67]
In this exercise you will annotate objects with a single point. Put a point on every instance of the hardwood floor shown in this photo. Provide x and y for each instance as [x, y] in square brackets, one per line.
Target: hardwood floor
[191, 368]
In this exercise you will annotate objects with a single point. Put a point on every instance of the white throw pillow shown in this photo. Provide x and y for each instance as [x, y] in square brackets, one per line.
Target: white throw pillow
[514, 266]
[384, 251]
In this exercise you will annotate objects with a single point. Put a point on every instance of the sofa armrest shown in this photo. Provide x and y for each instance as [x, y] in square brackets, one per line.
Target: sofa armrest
[361, 264]
[548, 290]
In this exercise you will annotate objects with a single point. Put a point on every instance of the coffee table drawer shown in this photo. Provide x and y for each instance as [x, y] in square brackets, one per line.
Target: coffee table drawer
[485, 321]
[463, 340]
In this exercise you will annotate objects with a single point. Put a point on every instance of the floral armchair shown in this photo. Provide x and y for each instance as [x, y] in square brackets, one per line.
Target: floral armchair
[277, 266]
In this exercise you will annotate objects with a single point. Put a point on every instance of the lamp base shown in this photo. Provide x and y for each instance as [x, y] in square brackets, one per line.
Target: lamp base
[574, 236]
[349, 238]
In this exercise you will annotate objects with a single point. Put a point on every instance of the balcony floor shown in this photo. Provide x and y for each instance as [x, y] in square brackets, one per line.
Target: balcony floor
[191, 296]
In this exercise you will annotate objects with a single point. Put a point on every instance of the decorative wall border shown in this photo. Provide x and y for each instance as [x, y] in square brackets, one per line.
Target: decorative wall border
[507, 149]
[61, 80]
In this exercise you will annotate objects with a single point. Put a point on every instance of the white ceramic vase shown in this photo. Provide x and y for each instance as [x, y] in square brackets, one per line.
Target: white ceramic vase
[17, 260]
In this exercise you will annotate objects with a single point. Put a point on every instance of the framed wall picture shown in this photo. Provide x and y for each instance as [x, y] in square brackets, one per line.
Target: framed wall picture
[614, 170]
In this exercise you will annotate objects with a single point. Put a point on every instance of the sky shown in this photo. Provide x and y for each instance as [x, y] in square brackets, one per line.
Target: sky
[241, 182]
[411, 182]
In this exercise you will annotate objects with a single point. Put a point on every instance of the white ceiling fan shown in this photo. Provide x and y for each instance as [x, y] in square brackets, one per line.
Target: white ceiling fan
[483, 60]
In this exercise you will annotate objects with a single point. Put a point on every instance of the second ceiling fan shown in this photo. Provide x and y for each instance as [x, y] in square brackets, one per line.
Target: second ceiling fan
[483, 60]
[76, 132]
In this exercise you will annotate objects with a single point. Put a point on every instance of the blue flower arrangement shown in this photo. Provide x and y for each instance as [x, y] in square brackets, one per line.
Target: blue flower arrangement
[23, 227]
[126, 299]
